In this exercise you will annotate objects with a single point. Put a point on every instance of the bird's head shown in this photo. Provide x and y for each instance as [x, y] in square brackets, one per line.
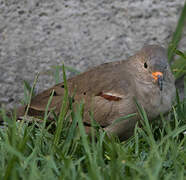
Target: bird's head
[153, 61]
[155, 84]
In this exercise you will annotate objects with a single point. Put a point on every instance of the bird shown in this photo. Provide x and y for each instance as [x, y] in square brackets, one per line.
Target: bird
[108, 91]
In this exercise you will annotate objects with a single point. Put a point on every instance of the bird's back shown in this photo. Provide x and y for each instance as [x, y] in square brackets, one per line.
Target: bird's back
[100, 88]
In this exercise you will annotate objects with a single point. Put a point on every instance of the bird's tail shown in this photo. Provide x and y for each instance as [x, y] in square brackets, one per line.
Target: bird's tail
[20, 111]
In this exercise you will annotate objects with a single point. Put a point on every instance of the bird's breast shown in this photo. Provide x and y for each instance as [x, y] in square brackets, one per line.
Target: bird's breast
[153, 100]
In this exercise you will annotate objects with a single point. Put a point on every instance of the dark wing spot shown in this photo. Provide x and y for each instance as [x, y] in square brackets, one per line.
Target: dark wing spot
[55, 93]
[35, 112]
[84, 93]
[71, 99]
[94, 124]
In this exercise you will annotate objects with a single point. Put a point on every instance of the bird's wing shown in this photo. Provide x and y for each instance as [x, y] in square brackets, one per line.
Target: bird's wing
[100, 88]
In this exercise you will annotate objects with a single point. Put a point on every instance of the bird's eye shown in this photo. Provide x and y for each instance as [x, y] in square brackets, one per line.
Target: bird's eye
[145, 65]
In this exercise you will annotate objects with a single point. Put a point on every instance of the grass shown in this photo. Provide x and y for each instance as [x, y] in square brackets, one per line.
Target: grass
[37, 151]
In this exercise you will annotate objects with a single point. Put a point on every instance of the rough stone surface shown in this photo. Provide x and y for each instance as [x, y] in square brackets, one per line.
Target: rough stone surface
[38, 34]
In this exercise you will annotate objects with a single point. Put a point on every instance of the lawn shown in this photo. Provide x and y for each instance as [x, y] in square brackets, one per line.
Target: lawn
[40, 151]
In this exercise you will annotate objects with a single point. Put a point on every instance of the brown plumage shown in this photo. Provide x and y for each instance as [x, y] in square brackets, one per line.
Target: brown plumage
[108, 90]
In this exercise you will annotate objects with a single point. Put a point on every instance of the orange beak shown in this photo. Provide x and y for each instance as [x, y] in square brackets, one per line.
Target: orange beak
[158, 77]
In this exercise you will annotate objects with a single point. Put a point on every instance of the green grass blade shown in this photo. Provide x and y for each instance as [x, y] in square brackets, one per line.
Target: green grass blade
[73, 70]
[63, 111]
[68, 68]
[124, 118]
[177, 34]
[179, 68]
[83, 134]
[31, 94]
[57, 74]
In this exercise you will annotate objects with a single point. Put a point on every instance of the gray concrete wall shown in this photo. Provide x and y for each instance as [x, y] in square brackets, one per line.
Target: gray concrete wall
[37, 34]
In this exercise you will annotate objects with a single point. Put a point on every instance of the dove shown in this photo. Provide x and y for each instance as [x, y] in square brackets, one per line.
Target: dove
[108, 91]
